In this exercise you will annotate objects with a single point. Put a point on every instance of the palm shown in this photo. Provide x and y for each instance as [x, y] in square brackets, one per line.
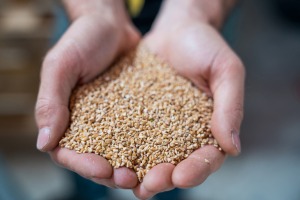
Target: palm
[199, 54]
[195, 50]
[85, 50]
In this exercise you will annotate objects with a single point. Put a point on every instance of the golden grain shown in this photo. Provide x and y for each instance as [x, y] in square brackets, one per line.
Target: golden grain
[138, 114]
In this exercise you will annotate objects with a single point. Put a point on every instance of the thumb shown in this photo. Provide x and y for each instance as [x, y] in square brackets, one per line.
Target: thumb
[60, 73]
[227, 85]
[85, 50]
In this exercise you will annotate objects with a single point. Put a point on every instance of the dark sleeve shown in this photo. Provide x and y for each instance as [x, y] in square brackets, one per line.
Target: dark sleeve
[145, 19]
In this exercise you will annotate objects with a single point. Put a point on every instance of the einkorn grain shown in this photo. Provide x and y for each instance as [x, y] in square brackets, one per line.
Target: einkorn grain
[138, 114]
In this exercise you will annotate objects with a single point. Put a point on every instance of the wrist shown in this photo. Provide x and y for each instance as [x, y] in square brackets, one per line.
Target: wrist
[211, 12]
[77, 8]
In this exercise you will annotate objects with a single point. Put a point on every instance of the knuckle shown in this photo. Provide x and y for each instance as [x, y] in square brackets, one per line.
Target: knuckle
[233, 64]
[63, 60]
[52, 60]
[43, 110]
[236, 64]
[42, 107]
[239, 66]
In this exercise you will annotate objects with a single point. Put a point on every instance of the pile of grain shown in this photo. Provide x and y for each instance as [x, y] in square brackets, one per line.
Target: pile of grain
[138, 114]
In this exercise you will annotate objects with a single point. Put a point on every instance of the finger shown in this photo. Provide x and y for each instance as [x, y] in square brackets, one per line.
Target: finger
[88, 165]
[141, 193]
[58, 77]
[158, 179]
[125, 178]
[197, 167]
[60, 72]
[227, 85]
[107, 182]
[96, 168]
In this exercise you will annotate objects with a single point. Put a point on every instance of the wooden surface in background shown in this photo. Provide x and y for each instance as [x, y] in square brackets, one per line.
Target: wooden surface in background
[21, 53]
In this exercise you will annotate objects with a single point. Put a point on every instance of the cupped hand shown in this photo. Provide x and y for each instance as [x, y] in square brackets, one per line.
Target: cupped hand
[197, 51]
[100, 31]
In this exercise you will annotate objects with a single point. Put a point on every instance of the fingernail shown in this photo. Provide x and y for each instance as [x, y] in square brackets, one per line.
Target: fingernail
[43, 138]
[236, 140]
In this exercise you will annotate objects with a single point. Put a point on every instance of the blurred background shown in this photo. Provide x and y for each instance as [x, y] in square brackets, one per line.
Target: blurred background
[265, 34]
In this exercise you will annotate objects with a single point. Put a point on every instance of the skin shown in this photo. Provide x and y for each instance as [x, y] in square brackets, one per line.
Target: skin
[196, 51]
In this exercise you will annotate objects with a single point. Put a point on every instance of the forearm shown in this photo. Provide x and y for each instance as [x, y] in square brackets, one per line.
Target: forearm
[213, 12]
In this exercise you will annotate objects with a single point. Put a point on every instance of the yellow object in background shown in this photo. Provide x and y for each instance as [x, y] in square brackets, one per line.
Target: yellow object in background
[135, 7]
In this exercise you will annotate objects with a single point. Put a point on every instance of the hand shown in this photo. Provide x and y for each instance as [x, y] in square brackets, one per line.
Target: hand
[99, 32]
[197, 51]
